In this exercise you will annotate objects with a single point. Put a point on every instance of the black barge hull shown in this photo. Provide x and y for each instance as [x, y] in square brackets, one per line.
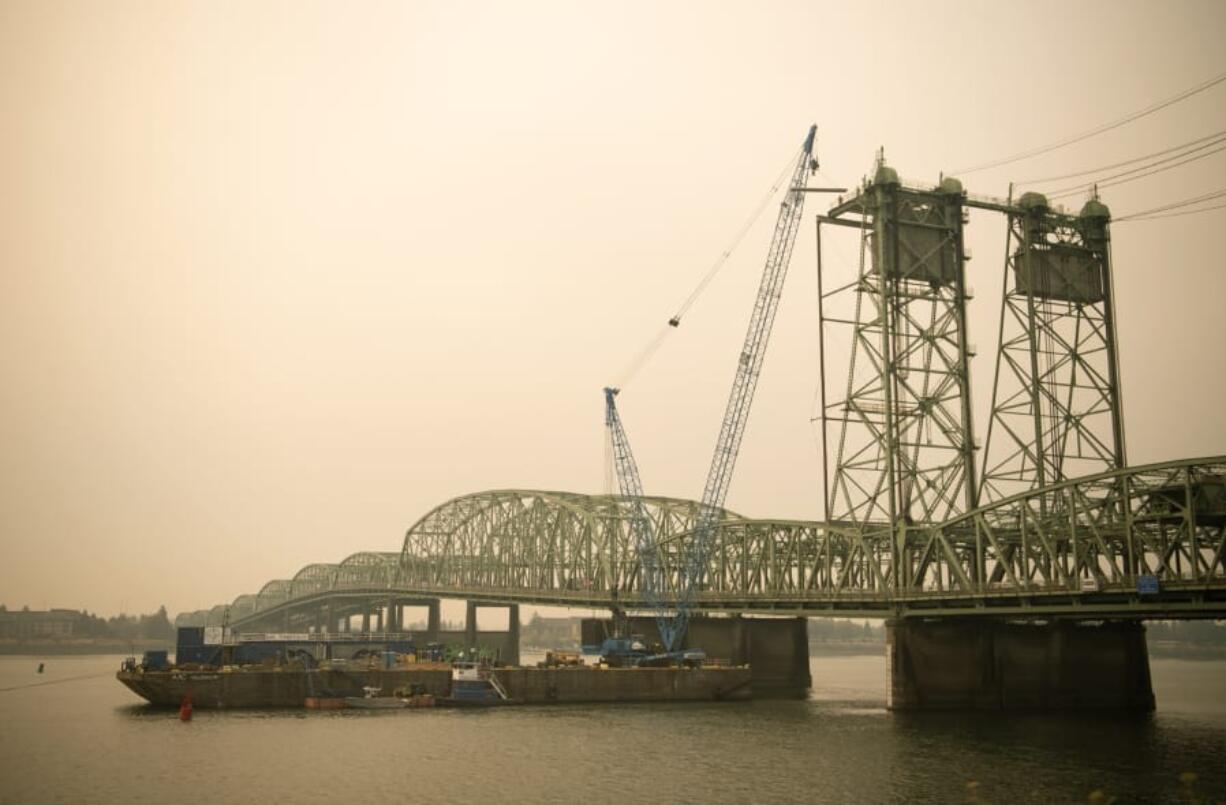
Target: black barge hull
[281, 687]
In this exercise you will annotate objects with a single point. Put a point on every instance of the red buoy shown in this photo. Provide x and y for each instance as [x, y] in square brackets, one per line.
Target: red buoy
[185, 708]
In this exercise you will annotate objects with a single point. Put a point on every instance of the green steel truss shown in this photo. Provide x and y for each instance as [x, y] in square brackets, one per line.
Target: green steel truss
[903, 452]
[1056, 403]
[1014, 557]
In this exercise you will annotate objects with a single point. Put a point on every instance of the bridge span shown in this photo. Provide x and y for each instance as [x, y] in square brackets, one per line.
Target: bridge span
[1143, 542]
[1049, 584]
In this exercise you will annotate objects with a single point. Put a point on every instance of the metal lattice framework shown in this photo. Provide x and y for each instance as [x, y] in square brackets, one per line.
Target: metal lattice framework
[904, 452]
[1008, 558]
[547, 540]
[1056, 403]
[367, 569]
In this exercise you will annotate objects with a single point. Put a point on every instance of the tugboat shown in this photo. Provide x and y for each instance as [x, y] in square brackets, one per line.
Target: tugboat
[473, 684]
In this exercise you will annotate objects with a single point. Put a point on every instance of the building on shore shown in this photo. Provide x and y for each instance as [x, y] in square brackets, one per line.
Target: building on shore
[33, 624]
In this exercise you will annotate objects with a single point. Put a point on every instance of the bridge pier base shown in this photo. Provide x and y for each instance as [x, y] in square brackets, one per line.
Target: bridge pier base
[985, 664]
[775, 649]
[433, 620]
[505, 643]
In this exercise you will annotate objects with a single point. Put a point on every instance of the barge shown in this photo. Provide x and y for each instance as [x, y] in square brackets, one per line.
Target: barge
[287, 671]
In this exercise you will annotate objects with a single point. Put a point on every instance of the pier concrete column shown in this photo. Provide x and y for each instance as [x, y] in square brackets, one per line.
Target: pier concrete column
[433, 620]
[366, 621]
[470, 624]
[988, 664]
[379, 619]
[393, 621]
[510, 654]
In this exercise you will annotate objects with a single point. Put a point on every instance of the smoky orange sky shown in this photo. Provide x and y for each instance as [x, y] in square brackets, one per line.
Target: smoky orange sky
[277, 278]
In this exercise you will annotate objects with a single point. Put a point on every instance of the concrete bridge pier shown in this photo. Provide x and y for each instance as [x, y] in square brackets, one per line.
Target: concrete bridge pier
[505, 643]
[393, 615]
[989, 664]
[433, 620]
[775, 649]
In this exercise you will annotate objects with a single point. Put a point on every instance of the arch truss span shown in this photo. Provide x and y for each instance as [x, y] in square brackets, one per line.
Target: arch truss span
[543, 542]
[1091, 547]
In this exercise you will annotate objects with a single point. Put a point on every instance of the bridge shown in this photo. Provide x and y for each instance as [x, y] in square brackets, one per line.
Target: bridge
[1049, 527]
[1161, 521]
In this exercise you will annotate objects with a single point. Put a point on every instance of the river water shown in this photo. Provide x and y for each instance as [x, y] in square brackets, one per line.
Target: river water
[85, 738]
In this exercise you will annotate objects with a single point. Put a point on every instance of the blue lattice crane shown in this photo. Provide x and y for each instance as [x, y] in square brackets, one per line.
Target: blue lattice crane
[673, 620]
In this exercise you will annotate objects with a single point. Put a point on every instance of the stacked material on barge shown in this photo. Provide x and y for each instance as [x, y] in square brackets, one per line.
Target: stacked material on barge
[298, 668]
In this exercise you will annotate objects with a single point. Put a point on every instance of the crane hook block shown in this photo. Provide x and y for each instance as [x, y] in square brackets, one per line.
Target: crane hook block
[675, 321]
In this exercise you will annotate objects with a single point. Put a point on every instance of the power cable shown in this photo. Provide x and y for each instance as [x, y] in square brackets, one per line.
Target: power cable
[1072, 191]
[1032, 182]
[1085, 135]
[1174, 205]
[1130, 219]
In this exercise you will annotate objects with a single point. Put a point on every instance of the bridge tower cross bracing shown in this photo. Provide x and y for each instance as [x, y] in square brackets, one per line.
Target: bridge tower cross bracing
[1056, 409]
[904, 454]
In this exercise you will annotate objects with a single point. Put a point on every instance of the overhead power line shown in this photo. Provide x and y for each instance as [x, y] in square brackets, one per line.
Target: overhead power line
[1085, 135]
[1143, 171]
[1174, 205]
[1130, 219]
[1113, 166]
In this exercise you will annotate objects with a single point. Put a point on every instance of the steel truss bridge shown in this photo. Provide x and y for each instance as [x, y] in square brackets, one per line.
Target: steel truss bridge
[1008, 559]
[1056, 525]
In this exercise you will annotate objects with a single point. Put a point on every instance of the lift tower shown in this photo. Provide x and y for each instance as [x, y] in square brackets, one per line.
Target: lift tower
[901, 432]
[1056, 402]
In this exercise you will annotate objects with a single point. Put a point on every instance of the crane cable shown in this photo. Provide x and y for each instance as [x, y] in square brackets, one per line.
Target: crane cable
[645, 354]
[1085, 135]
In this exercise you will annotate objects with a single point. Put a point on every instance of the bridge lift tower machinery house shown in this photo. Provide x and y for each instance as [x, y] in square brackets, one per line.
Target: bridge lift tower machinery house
[673, 607]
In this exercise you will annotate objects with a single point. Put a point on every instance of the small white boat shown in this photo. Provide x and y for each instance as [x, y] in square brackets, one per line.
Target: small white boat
[373, 701]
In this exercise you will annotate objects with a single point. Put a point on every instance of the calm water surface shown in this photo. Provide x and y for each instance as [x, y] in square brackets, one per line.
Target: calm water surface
[87, 739]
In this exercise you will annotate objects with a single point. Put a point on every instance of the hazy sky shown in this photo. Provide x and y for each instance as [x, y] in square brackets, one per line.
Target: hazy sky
[277, 278]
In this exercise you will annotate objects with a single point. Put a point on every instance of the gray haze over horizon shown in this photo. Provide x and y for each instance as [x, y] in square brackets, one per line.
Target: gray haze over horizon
[276, 279]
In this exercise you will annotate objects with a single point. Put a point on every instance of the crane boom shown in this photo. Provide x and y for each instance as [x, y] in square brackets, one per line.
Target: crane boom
[749, 367]
[630, 485]
[673, 620]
